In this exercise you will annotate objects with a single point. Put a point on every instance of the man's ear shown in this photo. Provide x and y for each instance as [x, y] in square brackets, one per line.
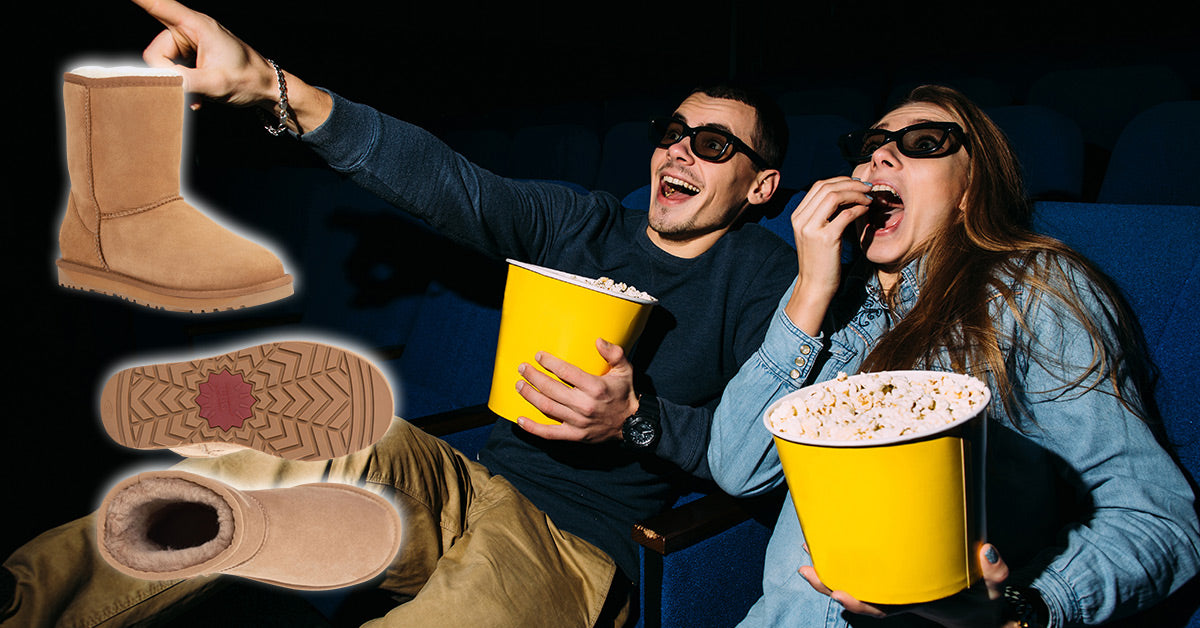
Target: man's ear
[765, 184]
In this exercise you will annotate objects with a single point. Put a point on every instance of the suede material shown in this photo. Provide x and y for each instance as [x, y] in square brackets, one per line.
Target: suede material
[136, 143]
[174, 245]
[78, 117]
[322, 536]
[297, 537]
[78, 244]
[124, 139]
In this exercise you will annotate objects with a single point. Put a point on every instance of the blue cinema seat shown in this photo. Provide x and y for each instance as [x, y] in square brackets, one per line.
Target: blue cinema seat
[985, 91]
[1151, 253]
[813, 152]
[855, 102]
[487, 146]
[624, 158]
[1050, 147]
[1155, 157]
[561, 151]
[1104, 98]
[638, 198]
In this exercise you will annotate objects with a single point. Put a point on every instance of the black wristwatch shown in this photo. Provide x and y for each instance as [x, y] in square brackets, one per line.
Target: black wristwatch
[1026, 607]
[643, 428]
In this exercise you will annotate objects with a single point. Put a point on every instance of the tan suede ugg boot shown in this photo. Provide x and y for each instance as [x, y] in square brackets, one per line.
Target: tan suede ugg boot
[127, 232]
[297, 400]
[162, 525]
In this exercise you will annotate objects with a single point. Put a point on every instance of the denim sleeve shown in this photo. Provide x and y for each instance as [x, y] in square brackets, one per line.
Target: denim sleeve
[741, 452]
[1141, 539]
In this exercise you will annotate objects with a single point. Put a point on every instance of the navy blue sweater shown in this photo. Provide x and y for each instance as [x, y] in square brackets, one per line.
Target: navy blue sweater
[712, 314]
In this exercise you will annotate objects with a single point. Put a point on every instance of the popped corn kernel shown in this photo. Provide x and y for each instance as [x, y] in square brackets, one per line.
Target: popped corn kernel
[880, 406]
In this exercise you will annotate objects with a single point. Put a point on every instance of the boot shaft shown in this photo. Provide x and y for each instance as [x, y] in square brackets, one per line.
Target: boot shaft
[124, 140]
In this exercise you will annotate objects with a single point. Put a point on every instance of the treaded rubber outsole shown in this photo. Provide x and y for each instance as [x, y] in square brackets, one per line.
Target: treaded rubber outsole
[78, 277]
[295, 399]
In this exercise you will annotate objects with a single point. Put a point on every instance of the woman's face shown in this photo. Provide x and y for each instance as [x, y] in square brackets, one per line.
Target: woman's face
[914, 197]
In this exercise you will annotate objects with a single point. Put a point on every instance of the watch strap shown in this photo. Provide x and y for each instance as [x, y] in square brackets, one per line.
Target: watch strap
[1026, 607]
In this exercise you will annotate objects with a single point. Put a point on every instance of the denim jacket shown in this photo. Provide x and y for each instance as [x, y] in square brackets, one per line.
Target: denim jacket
[1133, 537]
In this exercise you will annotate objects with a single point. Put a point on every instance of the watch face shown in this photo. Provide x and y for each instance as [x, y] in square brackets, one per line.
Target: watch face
[639, 432]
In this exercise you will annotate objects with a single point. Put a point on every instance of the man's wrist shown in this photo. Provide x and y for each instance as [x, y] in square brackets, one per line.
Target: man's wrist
[308, 106]
[642, 430]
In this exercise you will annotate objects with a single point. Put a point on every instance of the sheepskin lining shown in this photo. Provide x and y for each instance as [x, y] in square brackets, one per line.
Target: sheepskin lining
[95, 71]
[167, 524]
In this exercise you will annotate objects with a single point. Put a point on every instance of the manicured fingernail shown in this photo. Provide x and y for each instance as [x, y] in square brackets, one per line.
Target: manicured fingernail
[520, 385]
[869, 197]
[521, 368]
[991, 555]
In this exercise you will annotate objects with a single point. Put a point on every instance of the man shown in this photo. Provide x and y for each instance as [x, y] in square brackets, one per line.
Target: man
[538, 534]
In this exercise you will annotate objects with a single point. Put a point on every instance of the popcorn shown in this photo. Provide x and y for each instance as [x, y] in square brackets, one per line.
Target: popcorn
[877, 406]
[605, 283]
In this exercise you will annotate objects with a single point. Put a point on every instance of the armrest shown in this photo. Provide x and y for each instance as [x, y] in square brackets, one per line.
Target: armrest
[451, 421]
[700, 519]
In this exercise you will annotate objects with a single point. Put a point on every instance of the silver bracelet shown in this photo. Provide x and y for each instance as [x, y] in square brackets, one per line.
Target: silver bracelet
[283, 102]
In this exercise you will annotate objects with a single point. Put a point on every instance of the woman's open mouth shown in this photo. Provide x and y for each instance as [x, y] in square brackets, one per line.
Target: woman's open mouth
[887, 208]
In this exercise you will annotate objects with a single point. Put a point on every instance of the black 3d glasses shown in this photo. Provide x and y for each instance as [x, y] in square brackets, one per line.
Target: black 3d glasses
[708, 143]
[924, 140]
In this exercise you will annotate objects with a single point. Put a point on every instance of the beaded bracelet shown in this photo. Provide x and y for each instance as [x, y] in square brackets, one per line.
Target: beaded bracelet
[283, 102]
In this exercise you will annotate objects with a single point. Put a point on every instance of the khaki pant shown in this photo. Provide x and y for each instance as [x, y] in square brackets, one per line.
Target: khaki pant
[475, 552]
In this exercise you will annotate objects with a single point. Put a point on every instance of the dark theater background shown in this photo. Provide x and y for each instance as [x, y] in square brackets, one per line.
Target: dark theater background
[473, 72]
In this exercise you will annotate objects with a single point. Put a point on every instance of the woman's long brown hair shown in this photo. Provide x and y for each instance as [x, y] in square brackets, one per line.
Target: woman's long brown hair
[986, 250]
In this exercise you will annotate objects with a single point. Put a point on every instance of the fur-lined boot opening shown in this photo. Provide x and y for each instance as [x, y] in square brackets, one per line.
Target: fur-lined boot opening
[167, 524]
[101, 72]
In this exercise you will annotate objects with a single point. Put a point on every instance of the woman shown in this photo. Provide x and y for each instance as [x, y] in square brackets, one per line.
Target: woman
[950, 278]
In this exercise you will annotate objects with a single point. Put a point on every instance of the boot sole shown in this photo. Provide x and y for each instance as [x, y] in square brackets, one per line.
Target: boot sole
[78, 277]
[296, 400]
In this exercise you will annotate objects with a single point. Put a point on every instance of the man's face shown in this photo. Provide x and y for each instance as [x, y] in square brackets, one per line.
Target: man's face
[692, 198]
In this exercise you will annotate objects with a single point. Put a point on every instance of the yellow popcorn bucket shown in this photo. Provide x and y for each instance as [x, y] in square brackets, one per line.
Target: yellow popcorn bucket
[562, 314]
[891, 521]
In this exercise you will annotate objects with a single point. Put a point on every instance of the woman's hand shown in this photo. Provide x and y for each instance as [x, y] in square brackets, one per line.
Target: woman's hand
[980, 606]
[830, 207]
